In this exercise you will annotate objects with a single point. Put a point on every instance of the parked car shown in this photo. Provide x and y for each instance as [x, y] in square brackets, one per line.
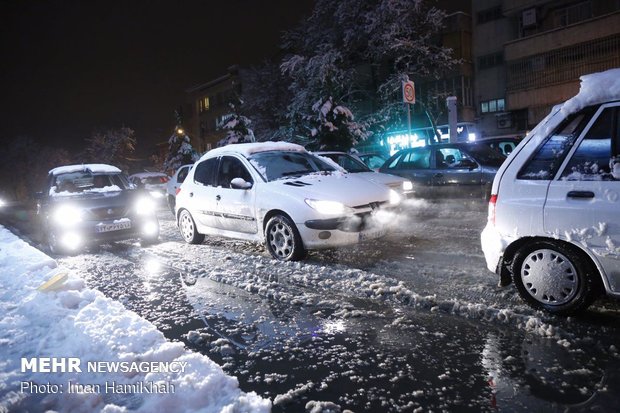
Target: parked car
[353, 165]
[279, 194]
[373, 160]
[90, 204]
[453, 170]
[554, 226]
[154, 183]
[174, 183]
[503, 145]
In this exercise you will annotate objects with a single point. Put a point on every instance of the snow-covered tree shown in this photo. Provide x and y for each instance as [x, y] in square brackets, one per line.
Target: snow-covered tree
[237, 127]
[113, 146]
[392, 39]
[266, 96]
[334, 127]
[180, 150]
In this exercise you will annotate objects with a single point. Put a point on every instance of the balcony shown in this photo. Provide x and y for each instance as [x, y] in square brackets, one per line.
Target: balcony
[590, 30]
[510, 7]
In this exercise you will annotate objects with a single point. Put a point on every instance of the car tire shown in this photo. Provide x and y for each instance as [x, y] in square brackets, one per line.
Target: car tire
[283, 240]
[555, 277]
[188, 229]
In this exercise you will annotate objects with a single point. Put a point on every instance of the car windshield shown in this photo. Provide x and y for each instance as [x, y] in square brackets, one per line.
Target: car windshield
[347, 162]
[485, 155]
[85, 182]
[274, 165]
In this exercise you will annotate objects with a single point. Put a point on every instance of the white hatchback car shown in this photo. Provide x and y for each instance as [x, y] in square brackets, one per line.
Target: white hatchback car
[554, 213]
[279, 194]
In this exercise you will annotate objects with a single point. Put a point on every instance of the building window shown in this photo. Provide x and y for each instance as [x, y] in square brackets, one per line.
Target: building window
[572, 14]
[494, 105]
[488, 15]
[490, 60]
[203, 104]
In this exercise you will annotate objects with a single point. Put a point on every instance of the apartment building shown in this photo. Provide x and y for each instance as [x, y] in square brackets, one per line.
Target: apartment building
[529, 55]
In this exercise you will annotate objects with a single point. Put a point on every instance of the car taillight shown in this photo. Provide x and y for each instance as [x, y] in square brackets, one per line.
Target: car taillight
[177, 191]
[492, 205]
[163, 179]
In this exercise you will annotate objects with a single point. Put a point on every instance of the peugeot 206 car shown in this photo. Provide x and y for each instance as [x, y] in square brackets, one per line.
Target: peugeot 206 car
[353, 165]
[154, 182]
[281, 195]
[554, 226]
[91, 204]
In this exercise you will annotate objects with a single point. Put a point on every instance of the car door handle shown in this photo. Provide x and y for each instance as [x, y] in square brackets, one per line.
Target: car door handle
[580, 194]
[217, 197]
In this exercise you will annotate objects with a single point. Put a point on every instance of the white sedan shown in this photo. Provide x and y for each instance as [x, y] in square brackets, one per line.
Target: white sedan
[282, 195]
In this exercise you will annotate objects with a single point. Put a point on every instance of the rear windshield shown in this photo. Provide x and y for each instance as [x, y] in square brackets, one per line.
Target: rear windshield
[85, 182]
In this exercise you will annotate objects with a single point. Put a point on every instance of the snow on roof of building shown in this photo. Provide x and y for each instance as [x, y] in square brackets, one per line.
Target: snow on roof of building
[92, 167]
[247, 149]
[74, 320]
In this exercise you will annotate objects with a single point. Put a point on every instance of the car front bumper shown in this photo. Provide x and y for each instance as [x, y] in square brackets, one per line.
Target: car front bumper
[101, 231]
[341, 231]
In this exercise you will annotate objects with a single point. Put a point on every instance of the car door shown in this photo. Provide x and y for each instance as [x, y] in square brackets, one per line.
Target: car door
[455, 174]
[234, 206]
[202, 193]
[583, 202]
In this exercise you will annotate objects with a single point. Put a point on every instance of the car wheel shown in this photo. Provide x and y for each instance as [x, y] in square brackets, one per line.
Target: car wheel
[283, 240]
[171, 202]
[555, 277]
[187, 226]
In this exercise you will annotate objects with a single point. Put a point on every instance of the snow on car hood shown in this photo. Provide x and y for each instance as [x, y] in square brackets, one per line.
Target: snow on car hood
[349, 189]
[381, 178]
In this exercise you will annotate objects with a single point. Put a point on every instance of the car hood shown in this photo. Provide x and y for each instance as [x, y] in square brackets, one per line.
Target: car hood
[350, 189]
[382, 178]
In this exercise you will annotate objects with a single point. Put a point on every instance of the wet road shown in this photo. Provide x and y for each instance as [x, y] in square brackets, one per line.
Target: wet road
[408, 323]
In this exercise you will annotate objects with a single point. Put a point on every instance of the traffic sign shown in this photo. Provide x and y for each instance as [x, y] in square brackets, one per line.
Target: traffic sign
[409, 92]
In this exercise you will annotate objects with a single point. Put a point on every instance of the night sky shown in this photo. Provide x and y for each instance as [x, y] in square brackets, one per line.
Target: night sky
[70, 67]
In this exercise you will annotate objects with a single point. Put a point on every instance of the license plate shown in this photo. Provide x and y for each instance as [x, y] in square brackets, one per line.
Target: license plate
[372, 234]
[117, 226]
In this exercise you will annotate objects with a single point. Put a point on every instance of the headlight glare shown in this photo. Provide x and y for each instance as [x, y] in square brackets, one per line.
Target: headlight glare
[145, 205]
[407, 186]
[327, 207]
[67, 215]
[394, 197]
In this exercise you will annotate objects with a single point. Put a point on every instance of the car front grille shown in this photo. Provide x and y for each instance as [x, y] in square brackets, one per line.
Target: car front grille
[108, 212]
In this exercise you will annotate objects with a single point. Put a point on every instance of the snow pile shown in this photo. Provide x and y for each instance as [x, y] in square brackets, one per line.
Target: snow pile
[93, 168]
[75, 321]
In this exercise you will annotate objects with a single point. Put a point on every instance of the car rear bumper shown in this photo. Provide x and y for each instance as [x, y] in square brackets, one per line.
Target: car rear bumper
[493, 247]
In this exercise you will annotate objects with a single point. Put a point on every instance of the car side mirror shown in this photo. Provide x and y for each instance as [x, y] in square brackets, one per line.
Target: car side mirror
[240, 183]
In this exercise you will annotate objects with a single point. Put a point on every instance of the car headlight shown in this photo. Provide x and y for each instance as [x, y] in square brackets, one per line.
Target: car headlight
[156, 194]
[67, 215]
[394, 197]
[328, 207]
[145, 205]
[407, 186]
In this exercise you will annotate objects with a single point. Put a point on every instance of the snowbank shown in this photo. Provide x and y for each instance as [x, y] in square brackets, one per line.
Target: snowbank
[75, 321]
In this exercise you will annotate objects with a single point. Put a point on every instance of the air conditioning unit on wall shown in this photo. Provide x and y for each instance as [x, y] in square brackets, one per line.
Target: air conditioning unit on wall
[504, 121]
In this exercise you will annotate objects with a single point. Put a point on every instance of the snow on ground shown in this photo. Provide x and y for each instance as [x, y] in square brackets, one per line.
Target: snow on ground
[76, 321]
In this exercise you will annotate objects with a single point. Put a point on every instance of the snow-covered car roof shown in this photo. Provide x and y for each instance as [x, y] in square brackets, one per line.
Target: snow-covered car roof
[148, 175]
[247, 149]
[90, 167]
